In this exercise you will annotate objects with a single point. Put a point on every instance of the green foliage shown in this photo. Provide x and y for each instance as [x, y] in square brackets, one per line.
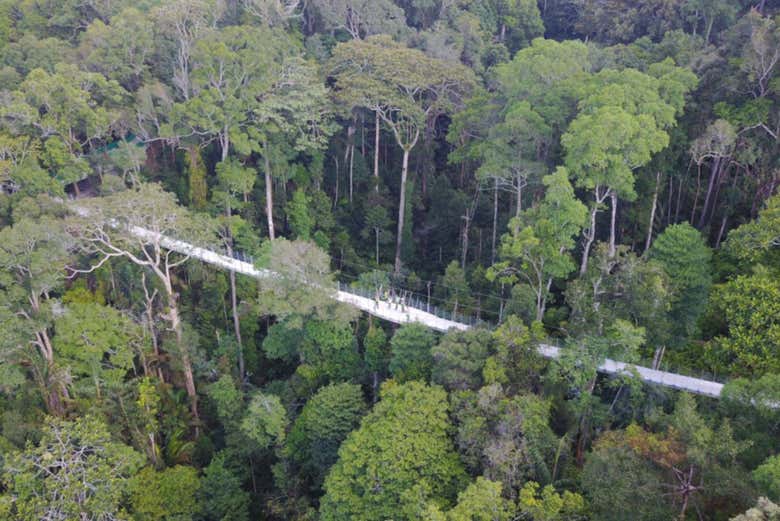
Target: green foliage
[220, 495]
[685, 258]
[537, 248]
[98, 343]
[549, 505]
[459, 358]
[398, 461]
[411, 353]
[616, 480]
[750, 307]
[166, 495]
[480, 501]
[767, 477]
[91, 477]
[301, 221]
[265, 421]
[758, 241]
[376, 350]
[456, 288]
[198, 193]
[323, 424]
[506, 439]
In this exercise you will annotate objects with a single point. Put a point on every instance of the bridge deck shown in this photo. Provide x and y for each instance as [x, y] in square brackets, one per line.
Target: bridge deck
[398, 314]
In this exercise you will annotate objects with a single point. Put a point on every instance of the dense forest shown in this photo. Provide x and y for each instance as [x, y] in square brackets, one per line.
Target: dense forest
[601, 175]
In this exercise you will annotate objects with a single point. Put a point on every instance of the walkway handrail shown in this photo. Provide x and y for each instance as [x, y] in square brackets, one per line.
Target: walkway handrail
[401, 313]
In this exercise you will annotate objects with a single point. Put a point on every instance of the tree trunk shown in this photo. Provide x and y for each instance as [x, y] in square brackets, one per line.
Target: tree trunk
[224, 141]
[349, 155]
[714, 171]
[590, 235]
[186, 363]
[376, 152]
[465, 246]
[652, 212]
[376, 232]
[519, 205]
[495, 222]
[612, 223]
[401, 210]
[721, 231]
[236, 320]
[269, 195]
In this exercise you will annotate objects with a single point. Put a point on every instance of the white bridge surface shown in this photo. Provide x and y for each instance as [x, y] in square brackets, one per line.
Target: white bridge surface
[400, 314]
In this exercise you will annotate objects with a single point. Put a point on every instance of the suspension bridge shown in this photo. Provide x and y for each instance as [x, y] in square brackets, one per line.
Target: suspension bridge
[399, 312]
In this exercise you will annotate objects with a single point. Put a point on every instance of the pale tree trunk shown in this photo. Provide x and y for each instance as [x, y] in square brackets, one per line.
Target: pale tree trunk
[401, 210]
[652, 212]
[349, 154]
[224, 141]
[714, 177]
[149, 310]
[519, 205]
[186, 362]
[269, 196]
[376, 152]
[590, 235]
[495, 222]
[600, 195]
[465, 246]
[612, 224]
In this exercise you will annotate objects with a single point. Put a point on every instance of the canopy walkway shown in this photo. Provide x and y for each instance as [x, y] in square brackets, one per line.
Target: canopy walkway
[400, 312]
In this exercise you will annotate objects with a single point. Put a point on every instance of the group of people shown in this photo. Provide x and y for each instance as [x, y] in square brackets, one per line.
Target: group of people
[398, 299]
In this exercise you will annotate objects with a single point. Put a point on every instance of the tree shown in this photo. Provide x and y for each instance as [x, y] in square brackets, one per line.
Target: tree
[480, 501]
[504, 438]
[459, 357]
[456, 289]
[405, 88]
[764, 510]
[265, 420]
[120, 49]
[514, 131]
[758, 241]
[75, 471]
[33, 255]
[685, 258]
[360, 18]
[616, 480]
[537, 248]
[220, 494]
[98, 344]
[410, 349]
[549, 505]
[133, 225]
[634, 110]
[167, 495]
[750, 307]
[767, 477]
[398, 461]
[182, 23]
[69, 112]
[324, 423]
[517, 22]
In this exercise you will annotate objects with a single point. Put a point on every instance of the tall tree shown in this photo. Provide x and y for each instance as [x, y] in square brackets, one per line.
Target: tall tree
[397, 461]
[75, 471]
[134, 225]
[405, 88]
[33, 255]
[538, 245]
[622, 122]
